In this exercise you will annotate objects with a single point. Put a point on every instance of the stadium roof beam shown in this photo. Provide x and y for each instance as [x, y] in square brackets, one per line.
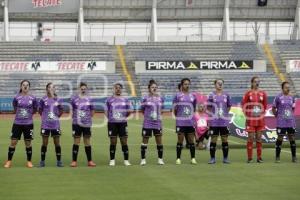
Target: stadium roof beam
[6, 20]
[153, 35]
[296, 29]
[80, 28]
[226, 20]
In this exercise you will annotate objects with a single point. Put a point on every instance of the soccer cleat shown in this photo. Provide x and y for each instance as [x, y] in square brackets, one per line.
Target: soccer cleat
[7, 164]
[143, 162]
[59, 164]
[294, 159]
[212, 161]
[112, 163]
[42, 163]
[259, 160]
[226, 161]
[277, 160]
[250, 160]
[73, 164]
[29, 164]
[160, 161]
[193, 161]
[91, 164]
[178, 161]
[126, 163]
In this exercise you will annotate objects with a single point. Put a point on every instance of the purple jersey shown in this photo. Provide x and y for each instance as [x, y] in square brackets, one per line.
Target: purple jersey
[152, 107]
[25, 107]
[220, 106]
[50, 109]
[184, 106]
[118, 109]
[285, 105]
[83, 108]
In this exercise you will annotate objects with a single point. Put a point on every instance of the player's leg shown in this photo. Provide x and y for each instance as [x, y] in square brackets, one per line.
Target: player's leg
[191, 140]
[112, 149]
[214, 132]
[250, 140]
[159, 146]
[28, 137]
[88, 149]
[291, 135]
[56, 141]
[125, 150]
[225, 146]
[45, 139]
[258, 137]
[16, 133]
[179, 146]
[77, 132]
[146, 134]
[280, 134]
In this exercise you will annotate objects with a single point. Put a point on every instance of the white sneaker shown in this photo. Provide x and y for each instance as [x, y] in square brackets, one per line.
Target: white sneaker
[143, 162]
[112, 163]
[178, 162]
[126, 163]
[160, 161]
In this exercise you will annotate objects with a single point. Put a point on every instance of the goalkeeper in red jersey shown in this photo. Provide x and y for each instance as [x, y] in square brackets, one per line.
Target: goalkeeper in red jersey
[254, 106]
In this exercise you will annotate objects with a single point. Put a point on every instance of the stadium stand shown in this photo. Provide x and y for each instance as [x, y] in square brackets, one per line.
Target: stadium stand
[236, 82]
[58, 51]
[55, 51]
[289, 50]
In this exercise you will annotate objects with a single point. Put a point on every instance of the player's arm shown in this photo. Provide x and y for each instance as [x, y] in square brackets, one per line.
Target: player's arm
[229, 103]
[143, 105]
[60, 108]
[274, 106]
[244, 102]
[41, 106]
[294, 103]
[174, 107]
[15, 104]
[130, 109]
[265, 102]
[35, 105]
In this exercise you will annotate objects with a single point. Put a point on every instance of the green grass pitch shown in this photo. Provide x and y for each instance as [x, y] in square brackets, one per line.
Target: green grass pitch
[169, 182]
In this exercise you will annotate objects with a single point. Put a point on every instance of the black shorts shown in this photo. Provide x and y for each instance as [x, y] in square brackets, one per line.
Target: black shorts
[185, 129]
[79, 131]
[284, 131]
[117, 129]
[147, 132]
[224, 130]
[50, 132]
[18, 130]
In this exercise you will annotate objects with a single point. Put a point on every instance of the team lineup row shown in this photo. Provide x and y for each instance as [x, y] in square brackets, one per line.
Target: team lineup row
[196, 118]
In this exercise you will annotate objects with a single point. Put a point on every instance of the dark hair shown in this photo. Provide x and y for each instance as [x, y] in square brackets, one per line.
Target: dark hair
[284, 83]
[184, 79]
[82, 84]
[218, 79]
[119, 84]
[48, 84]
[179, 86]
[23, 81]
[151, 82]
[252, 80]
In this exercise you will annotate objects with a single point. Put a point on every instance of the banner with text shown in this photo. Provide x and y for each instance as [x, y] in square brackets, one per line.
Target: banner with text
[200, 65]
[43, 6]
[63, 66]
[293, 66]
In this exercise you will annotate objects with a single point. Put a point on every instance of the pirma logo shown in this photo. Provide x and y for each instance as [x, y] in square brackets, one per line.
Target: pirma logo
[36, 66]
[92, 65]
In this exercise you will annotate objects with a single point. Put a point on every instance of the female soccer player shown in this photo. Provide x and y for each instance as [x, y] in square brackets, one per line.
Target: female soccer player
[50, 109]
[152, 106]
[25, 106]
[184, 104]
[117, 111]
[283, 108]
[254, 106]
[83, 111]
[219, 104]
